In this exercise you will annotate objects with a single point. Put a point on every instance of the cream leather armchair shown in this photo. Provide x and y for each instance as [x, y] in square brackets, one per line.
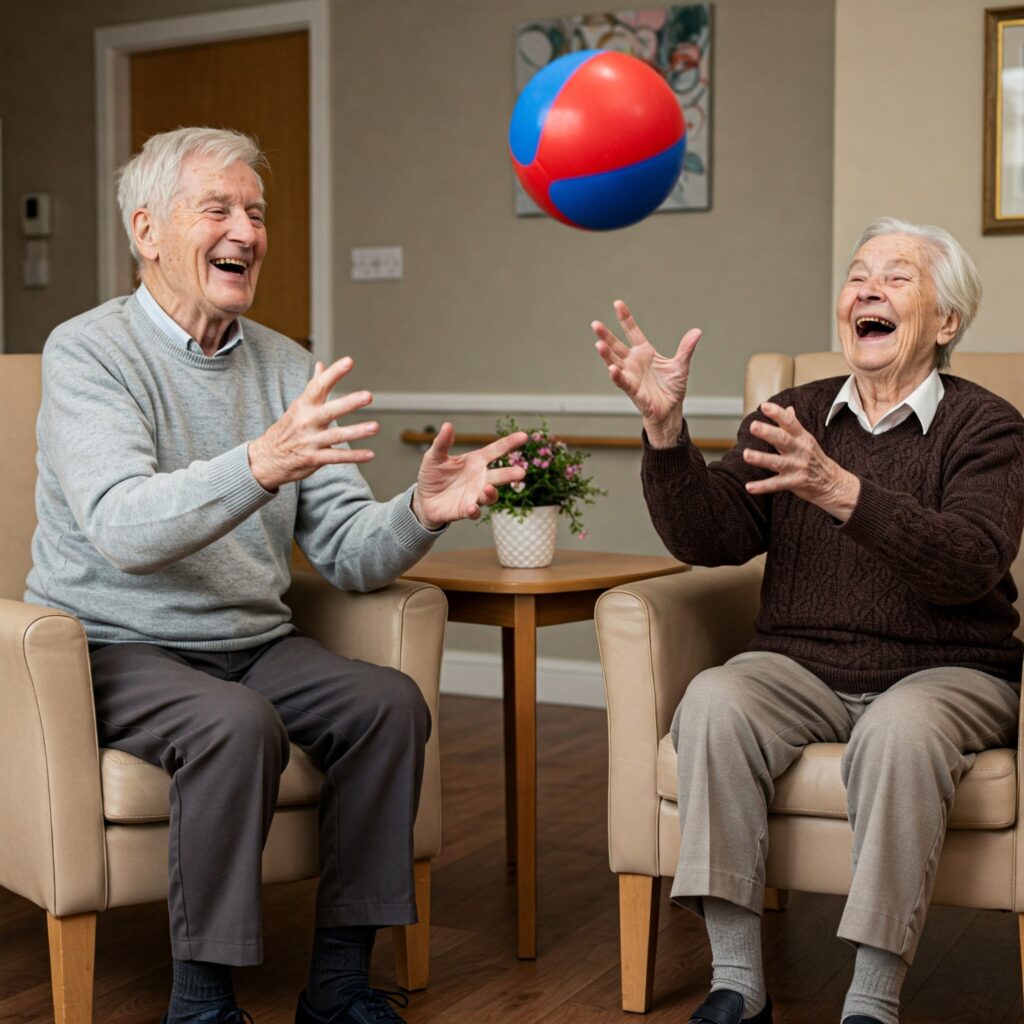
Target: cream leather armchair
[83, 829]
[656, 635]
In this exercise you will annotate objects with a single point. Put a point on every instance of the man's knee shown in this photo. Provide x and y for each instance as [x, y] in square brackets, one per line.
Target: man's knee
[247, 724]
[400, 703]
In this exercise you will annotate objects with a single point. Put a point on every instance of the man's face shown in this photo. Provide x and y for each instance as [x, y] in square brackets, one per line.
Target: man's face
[887, 314]
[207, 254]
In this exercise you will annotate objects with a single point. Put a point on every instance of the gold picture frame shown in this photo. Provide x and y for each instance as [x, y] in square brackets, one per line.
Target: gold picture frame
[1003, 199]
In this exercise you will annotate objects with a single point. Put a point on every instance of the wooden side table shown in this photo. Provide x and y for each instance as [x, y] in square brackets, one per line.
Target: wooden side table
[480, 590]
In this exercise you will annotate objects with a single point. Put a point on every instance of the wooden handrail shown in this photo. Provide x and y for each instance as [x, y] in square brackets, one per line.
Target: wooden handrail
[711, 444]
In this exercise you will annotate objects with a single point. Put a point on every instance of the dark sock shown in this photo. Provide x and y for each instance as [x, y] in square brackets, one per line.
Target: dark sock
[341, 963]
[199, 988]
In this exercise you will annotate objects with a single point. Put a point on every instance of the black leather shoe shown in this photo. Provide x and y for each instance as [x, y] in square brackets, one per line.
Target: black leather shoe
[232, 1016]
[861, 1018]
[364, 1006]
[723, 1006]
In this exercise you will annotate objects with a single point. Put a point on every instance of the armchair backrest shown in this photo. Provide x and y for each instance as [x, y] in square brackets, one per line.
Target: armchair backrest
[1000, 372]
[19, 404]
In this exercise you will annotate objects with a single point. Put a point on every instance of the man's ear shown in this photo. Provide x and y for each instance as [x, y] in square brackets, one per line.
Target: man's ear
[146, 232]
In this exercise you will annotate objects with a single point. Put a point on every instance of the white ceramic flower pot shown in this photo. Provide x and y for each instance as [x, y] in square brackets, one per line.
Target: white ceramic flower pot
[526, 544]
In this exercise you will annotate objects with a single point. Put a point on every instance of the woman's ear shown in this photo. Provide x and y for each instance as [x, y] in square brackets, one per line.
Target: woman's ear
[947, 332]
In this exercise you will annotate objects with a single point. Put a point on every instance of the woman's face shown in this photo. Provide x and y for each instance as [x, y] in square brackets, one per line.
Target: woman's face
[887, 314]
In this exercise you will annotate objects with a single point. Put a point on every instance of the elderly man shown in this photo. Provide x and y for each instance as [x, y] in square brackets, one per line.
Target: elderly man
[181, 448]
[890, 505]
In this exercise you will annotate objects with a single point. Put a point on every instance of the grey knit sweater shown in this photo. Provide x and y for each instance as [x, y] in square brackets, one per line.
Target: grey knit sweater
[152, 527]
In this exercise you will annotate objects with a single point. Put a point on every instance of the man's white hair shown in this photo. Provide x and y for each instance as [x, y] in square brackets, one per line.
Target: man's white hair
[152, 178]
[956, 279]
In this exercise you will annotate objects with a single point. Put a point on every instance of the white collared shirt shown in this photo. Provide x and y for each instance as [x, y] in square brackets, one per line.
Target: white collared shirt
[232, 337]
[923, 400]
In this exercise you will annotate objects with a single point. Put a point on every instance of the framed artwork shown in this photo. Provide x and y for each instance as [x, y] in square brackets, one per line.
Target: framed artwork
[675, 41]
[1003, 198]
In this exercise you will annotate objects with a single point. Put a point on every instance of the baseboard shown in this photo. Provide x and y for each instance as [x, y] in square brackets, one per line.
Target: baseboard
[559, 680]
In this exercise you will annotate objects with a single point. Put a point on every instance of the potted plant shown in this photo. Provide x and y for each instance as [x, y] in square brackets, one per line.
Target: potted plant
[525, 516]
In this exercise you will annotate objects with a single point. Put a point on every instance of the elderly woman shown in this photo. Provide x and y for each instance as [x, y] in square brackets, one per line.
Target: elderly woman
[890, 505]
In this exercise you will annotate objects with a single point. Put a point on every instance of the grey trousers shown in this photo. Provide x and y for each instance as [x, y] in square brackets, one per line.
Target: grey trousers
[741, 725]
[220, 724]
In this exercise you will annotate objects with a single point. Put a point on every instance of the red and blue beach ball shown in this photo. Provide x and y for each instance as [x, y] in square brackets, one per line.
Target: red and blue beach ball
[597, 139]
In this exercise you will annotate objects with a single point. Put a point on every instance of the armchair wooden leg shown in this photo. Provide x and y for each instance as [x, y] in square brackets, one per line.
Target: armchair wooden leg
[412, 941]
[72, 963]
[639, 903]
[775, 899]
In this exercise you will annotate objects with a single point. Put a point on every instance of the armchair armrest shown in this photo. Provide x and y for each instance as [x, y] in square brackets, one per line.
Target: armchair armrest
[52, 849]
[654, 637]
[401, 626]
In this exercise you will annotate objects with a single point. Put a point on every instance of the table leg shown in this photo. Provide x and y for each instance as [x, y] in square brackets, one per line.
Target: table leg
[525, 674]
[508, 679]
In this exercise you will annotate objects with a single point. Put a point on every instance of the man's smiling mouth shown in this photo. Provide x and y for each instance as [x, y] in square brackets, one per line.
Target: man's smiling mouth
[873, 327]
[231, 265]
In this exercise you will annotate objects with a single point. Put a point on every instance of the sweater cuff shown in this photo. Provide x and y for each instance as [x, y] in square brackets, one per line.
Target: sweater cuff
[234, 483]
[871, 518]
[408, 530]
[668, 462]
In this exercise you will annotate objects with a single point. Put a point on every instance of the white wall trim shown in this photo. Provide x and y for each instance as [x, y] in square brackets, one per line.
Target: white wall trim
[114, 45]
[580, 405]
[559, 680]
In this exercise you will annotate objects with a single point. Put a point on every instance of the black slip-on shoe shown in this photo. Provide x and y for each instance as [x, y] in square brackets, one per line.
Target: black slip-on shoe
[723, 1006]
[364, 1006]
[861, 1018]
[222, 1016]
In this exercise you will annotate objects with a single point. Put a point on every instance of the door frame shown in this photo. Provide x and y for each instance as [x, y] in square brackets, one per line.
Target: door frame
[115, 44]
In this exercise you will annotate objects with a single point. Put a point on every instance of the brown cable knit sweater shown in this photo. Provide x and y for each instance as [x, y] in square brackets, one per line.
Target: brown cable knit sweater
[917, 577]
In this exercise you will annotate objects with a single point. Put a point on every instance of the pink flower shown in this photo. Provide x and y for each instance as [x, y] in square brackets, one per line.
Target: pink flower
[581, 535]
[536, 436]
[518, 486]
[544, 451]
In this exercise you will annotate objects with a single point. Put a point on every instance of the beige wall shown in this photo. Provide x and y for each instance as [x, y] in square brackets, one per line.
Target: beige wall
[422, 91]
[908, 140]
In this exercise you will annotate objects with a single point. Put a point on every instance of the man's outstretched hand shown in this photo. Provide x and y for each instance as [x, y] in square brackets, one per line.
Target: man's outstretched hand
[451, 487]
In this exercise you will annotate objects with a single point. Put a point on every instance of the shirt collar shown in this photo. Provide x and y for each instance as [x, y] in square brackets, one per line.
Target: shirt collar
[233, 337]
[923, 400]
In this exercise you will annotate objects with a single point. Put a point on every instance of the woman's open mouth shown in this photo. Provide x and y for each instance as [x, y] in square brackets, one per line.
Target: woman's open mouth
[873, 327]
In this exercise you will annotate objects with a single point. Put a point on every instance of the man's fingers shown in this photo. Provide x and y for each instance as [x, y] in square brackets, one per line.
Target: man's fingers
[344, 406]
[324, 380]
[442, 442]
[347, 434]
[505, 475]
[504, 445]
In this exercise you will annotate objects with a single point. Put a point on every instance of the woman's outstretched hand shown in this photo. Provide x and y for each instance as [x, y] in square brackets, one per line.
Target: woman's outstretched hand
[656, 384]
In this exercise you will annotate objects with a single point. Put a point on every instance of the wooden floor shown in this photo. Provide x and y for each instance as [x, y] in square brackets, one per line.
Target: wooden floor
[966, 971]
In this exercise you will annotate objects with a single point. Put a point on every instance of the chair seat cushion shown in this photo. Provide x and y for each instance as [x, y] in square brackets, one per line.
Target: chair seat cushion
[137, 793]
[986, 797]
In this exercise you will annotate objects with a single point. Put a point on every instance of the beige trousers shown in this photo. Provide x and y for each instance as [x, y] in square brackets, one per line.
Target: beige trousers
[741, 725]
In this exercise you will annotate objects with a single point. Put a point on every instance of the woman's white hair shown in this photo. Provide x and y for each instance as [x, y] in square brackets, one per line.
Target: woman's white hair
[956, 279]
[151, 179]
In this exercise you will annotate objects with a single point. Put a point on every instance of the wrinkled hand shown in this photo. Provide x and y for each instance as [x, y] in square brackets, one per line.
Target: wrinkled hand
[304, 438]
[799, 464]
[451, 487]
[655, 383]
